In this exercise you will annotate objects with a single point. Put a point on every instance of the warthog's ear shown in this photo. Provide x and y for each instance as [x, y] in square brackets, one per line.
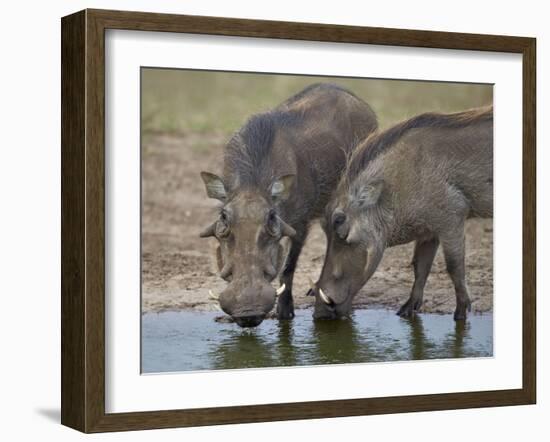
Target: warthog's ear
[369, 194]
[215, 188]
[280, 188]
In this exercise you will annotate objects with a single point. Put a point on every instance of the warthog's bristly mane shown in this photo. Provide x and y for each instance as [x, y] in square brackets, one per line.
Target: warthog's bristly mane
[248, 153]
[379, 142]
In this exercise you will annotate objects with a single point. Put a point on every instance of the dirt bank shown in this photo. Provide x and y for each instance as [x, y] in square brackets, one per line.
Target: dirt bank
[178, 267]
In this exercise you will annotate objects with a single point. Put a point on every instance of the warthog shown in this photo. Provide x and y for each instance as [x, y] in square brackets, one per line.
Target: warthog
[279, 171]
[418, 181]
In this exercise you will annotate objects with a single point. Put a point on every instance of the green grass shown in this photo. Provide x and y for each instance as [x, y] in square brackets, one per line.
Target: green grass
[183, 102]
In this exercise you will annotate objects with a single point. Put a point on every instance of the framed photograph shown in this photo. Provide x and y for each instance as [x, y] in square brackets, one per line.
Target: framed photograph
[268, 220]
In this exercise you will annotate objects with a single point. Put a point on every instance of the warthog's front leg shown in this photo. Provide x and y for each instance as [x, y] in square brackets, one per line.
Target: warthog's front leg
[424, 253]
[285, 304]
[453, 248]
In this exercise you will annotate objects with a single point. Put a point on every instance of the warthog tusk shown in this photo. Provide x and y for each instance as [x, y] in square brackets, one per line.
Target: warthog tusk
[225, 271]
[324, 297]
[286, 230]
[281, 289]
[213, 296]
[209, 231]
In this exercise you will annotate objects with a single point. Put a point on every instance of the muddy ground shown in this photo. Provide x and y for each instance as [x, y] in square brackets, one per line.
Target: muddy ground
[178, 267]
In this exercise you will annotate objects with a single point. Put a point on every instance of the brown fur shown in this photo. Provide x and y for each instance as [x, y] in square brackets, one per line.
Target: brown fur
[300, 148]
[417, 181]
[379, 142]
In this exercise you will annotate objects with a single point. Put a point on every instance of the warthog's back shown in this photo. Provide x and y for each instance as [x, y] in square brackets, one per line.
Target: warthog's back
[457, 157]
[309, 135]
[433, 167]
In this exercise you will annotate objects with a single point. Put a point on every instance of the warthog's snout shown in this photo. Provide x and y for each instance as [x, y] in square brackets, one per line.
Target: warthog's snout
[337, 305]
[250, 305]
[249, 321]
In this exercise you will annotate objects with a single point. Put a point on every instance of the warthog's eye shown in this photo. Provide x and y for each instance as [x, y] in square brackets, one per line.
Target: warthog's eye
[222, 226]
[272, 223]
[339, 223]
[338, 218]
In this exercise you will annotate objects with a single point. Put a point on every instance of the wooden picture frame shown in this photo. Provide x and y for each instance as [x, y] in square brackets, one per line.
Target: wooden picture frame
[83, 220]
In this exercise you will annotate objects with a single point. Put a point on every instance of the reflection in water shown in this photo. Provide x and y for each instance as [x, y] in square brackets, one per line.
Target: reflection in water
[335, 341]
[417, 338]
[456, 340]
[245, 349]
[286, 350]
[179, 341]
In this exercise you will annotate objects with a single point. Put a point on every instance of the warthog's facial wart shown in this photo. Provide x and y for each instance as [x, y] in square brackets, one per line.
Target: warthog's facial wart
[249, 255]
[353, 253]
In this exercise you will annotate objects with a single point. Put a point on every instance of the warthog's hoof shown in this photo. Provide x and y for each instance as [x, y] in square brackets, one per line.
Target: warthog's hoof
[285, 314]
[285, 306]
[460, 315]
[461, 311]
[410, 307]
[285, 311]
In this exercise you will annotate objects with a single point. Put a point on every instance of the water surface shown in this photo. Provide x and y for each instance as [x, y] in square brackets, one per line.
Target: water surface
[182, 341]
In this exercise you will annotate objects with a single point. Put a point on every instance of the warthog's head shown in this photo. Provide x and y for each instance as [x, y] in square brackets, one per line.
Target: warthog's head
[249, 256]
[354, 225]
